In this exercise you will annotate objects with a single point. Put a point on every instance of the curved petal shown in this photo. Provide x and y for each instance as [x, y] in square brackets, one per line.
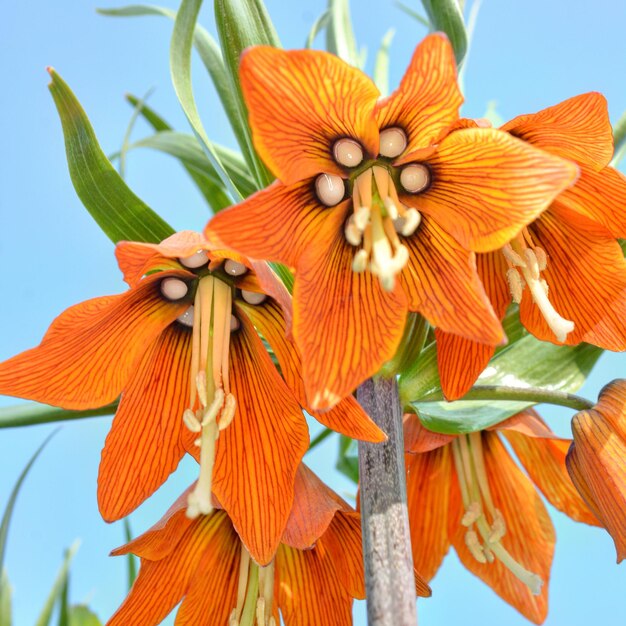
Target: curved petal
[441, 283]
[529, 534]
[345, 325]
[577, 129]
[258, 454]
[418, 439]
[586, 276]
[427, 102]
[460, 360]
[91, 349]
[429, 477]
[347, 417]
[600, 196]
[143, 446]
[300, 102]
[279, 223]
[486, 186]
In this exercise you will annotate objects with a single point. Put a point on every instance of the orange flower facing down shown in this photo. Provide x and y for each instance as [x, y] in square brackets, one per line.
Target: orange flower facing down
[566, 269]
[182, 347]
[466, 491]
[597, 460]
[378, 204]
[316, 573]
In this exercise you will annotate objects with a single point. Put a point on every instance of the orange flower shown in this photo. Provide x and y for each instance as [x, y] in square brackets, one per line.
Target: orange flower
[316, 573]
[566, 269]
[182, 347]
[597, 460]
[467, 491]
[378, 204]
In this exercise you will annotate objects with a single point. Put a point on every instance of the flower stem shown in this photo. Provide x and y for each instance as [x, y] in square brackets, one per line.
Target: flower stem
[389, 577]
[530, 394]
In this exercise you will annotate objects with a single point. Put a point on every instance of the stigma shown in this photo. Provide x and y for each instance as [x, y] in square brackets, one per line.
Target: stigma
[526, 261]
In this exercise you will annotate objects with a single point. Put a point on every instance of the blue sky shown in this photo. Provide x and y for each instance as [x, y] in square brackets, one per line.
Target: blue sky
[526, 55]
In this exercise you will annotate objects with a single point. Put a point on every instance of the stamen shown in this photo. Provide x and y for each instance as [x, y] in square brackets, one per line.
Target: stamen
[472, 513]
[359, 262]
[228, 413]
[234, 268]
[330, 189]
[516, 285]
[191, 421]
[407, 224]
[393, 142]
[415, 177]
[353, 235]
[174, 288]
[253, 297]
[348, 152]
[186, 319]
[474, 546]
[195, 260]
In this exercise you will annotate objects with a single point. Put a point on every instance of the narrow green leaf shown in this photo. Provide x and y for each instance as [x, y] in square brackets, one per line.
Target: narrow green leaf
[619, 140]
[321, 436]
[57, 587]
[414, 14]
[320, 23]
[148, 113]
[340, 38]
[80, 615]
[241, 24]
[8, 511]
[348, 458]
[381, 66]
[128, 133]
[446, 16]
[64, 615]
[180, 70]
[116, 209]
[6, 592]
[31, 413]
[130, 559]
[284, 273]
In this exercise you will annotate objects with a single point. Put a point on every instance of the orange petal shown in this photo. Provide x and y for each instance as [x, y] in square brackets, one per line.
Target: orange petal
[529, 536]
[600, 196]
[258, 454]
[347, 417]
[300, 102]
[487, 185]
[345, 325]
[429, 476]
[278, 223]
[612, 404]
[418, 439]
[597, 468]
[92, 348]
[577, 129]
[427, 102]
[586, 275]
[441, 282]
[162, 584]
[543, 457]
[143, 446]
[309, 591]
[461, 360]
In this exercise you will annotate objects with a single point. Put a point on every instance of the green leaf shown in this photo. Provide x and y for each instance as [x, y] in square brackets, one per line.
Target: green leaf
[284, 273]
[340, 38]
[57, 587]
[320, 23]
[80, 615]
[619, 140]
[180, 70]
[116, 209]
[241, 24]
[381, 66]
[128, 133]
[414, 14]
[6, 591]
[446, 16]
[130, 559]
[348, 458]
[30, 413]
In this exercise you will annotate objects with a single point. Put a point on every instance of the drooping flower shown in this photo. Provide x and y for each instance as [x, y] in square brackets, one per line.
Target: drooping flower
[566, 269]
[466, 491]
[378, 205]
[597, 460]
[316, 573]
[182, 346]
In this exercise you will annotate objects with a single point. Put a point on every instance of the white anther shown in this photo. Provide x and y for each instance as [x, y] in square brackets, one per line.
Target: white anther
[392, 209]
[198, 504]
[542, 258]
[235, 324]
[201, 388]
[531, 263]
[353, 235]
[408, 223]
[197, 259]
[228, 412]
[362, 217]
[560, 326]
[393, 142]
[330, 189]
[186, 319]
[400, 258]
[387, 281]
[359, 262]
[348, 152]
[252, 297]
[191, 421]
[211, 412]
[472, 513]
[234, 268]
[174, 288]
[498, 528]
[474, 546]
[415, 177]
[516, 286]
[512, 256]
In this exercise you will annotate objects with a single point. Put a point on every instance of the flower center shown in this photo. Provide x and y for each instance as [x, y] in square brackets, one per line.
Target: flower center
[255, 594]
[485, 525]
[211, 405]
[526, 261]
[377, 219]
